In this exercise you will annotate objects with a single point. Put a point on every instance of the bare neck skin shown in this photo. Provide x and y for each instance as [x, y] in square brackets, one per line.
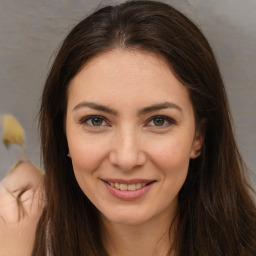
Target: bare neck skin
[152, 238]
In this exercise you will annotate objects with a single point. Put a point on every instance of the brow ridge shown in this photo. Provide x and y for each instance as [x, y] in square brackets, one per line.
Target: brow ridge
[95, 106]
[143, 111]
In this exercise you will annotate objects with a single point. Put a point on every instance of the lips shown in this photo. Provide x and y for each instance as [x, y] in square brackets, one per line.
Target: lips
[128, 189]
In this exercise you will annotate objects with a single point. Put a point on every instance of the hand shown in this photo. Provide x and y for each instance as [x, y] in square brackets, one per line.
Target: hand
[21, 205]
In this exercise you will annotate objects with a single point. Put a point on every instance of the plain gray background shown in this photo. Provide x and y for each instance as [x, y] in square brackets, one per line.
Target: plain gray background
[32, 30]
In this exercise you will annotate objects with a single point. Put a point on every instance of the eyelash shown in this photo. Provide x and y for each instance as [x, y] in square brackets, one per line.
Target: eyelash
[90, 118]
[167, 121]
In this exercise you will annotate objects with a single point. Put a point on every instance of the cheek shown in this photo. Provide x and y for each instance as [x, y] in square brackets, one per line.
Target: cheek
[87, 154]
[172, 153]
[172, 159]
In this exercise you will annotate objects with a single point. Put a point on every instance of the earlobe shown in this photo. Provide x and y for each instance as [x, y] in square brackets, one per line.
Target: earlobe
[196, 147]
[195, 153]
[198, 140]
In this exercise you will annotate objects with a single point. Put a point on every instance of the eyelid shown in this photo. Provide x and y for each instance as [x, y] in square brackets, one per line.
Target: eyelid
[89, 117]
[170, 120]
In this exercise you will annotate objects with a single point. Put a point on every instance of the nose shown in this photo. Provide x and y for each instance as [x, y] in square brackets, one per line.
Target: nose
[126, 151]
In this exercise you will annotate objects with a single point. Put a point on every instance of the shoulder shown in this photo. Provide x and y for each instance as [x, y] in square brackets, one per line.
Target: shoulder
[21, 203]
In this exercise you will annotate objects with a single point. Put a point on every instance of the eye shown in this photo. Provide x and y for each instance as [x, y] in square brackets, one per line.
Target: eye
[161, 121]
[96, 121]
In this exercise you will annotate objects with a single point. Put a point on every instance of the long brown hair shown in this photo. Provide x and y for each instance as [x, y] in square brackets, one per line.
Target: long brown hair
[216, 212]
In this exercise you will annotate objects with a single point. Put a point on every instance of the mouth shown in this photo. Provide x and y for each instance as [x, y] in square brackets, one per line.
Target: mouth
[130, 185]
[128, 190]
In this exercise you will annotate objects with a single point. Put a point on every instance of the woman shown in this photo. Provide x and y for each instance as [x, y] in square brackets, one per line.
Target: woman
[138, 147]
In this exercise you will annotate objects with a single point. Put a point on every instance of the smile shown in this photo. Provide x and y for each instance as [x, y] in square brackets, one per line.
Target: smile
[130, 187]
[128, 190]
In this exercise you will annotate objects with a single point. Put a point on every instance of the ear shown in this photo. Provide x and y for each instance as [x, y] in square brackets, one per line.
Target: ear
[198, 140]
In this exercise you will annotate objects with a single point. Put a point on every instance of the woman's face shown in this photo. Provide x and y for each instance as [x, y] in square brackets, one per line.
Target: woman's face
[131, 132]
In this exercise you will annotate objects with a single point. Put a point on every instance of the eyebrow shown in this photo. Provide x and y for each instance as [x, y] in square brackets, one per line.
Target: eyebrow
[160, 106]
[95, 106]
[143, 111]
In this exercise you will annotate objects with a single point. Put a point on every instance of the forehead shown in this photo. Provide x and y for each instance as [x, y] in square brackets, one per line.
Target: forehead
[122, 76]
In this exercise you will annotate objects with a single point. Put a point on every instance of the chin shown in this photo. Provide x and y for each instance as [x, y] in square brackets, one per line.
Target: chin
[126, 218]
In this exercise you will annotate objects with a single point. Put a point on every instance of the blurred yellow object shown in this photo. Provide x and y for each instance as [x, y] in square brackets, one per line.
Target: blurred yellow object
[15, 165]
[12, 131]
[19, 162]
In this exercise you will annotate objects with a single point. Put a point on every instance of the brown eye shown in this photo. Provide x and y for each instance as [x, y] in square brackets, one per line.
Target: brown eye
[159, 121]
[96, 121]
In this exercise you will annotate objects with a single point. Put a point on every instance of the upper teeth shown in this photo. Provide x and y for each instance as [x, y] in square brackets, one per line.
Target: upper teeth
[121, 186]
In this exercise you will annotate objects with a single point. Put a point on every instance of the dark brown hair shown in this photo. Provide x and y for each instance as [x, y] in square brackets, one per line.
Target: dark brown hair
[216, 212]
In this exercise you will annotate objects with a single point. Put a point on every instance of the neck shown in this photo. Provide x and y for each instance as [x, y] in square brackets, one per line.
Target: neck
[152, 238]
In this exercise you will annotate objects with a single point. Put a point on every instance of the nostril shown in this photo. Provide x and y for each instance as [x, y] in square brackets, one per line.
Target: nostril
[126, 160]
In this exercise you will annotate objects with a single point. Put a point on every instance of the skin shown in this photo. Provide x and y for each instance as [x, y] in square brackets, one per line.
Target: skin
[21, 205]
[125, 145]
